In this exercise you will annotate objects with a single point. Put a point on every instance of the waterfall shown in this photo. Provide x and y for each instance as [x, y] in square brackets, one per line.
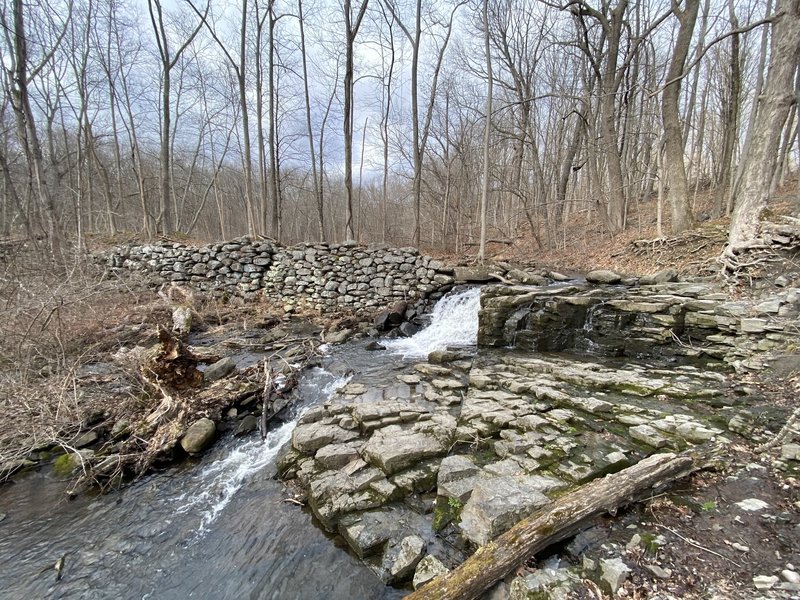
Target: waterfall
[454, 322]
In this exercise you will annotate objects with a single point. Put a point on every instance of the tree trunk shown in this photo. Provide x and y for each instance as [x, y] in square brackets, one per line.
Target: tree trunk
[557, 522]
[487, 131]
[678, 193]
[773, 109]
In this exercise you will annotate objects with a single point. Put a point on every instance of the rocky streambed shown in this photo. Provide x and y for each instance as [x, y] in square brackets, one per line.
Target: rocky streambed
[567, 384]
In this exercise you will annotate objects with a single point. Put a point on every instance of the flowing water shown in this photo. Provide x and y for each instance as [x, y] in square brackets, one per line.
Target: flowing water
[219, 528]
[454, 323]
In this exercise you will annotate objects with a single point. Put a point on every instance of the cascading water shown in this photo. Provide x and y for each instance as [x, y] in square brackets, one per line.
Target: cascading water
[220, 529]
[454, 322]
[222, 479]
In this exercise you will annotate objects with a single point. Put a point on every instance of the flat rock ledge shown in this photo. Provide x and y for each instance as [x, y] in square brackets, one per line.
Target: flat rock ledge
[477, 445]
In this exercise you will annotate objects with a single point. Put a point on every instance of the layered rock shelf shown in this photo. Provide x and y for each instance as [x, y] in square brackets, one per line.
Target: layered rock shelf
[467, 448]
[314, 276]
[687, 319]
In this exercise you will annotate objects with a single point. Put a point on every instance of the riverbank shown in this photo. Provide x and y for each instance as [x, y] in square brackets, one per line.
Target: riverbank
[700, 367]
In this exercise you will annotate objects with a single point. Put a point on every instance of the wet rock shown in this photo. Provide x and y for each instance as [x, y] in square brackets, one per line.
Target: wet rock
[605, 276]
[199, 436]
[428, 568]
[10, 467]
[373, 346]
[408, 329]
[614, 572]
[219, 369]
[247, 425]
[395, 448]
[367, 532]
[402, 559]
[496, 504]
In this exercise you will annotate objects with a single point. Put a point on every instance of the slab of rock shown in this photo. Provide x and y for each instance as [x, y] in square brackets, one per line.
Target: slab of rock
[498, 503]
[199, 436]
[526, 277]
[473, 274]
[648, 435]
[337, 456]
[428, 568]
[603, 276]
[85, 439]
[752, 505]
[394, 448]
[367, 532]
[219, 369]
[310, 437]
[455, 467]
[790, 452]
[404, 558]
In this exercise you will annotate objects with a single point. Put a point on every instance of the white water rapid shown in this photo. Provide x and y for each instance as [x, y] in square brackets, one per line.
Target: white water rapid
[454, 322]
[221, 479]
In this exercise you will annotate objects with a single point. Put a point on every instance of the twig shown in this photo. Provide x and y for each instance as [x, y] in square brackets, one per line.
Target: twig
[696, 545]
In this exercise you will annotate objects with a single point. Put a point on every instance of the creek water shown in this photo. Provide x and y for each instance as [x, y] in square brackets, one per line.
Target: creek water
[215, 528]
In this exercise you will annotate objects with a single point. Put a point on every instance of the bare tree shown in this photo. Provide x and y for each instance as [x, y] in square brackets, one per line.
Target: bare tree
[351, 30]
[18, 77]
[773, 110]
[678, 193]
[168, 60]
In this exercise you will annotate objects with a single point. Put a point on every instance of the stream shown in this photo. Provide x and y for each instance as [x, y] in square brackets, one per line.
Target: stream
[215, 527]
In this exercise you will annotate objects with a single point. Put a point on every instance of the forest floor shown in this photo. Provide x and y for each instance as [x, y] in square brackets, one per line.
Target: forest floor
[708, 546]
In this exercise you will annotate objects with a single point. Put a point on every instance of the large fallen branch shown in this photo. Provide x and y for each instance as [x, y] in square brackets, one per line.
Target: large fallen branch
[560, 520]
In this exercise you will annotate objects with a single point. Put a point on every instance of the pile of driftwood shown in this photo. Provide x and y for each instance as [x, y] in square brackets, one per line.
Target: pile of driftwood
[179, 395]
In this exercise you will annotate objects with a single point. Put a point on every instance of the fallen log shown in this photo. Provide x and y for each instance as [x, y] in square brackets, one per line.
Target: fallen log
[560, 520]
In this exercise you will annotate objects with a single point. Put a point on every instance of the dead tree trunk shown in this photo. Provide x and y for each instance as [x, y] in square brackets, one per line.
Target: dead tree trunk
[557, 522]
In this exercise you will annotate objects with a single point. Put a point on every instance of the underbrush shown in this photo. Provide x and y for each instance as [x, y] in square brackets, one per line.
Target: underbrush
[56, 317]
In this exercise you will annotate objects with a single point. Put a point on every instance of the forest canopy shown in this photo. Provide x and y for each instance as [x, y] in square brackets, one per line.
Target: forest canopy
[327, 120]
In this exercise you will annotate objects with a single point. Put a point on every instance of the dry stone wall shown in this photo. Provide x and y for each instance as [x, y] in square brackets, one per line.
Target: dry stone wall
[344, 276]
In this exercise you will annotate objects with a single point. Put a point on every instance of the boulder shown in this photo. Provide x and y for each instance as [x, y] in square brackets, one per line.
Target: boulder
[247, 425]
[199, 436]
[219, 369]
[605, 276]
[498, 503]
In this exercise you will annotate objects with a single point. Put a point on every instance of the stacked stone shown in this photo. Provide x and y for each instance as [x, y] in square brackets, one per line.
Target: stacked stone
[316, 276]
[235, 267]
[349, 276]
